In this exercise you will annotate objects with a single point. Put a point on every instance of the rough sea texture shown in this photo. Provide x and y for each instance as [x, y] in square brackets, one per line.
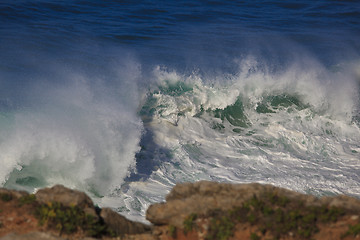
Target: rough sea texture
[124, 99]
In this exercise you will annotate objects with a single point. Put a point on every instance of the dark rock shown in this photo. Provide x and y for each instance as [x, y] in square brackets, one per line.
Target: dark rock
[120, 225]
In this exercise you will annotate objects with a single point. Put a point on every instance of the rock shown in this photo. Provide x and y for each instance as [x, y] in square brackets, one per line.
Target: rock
[65, 196]
[201, 198]
[144, 236]
[120, 225]
[190, 212]
[38, 236]
[31, 236]
[204, 197]
[14, 193]
[343, 201]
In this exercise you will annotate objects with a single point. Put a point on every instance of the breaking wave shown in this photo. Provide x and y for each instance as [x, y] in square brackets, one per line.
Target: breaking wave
[127, 144]
[297, 128]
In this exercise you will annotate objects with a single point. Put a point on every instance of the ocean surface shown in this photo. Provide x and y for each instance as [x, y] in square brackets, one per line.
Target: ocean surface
[124, 99]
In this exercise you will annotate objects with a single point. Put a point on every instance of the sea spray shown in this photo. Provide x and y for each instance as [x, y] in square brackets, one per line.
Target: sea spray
[83, 134]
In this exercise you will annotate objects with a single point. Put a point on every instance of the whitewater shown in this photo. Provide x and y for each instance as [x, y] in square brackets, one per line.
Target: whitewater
[296, 128]
[125, 100]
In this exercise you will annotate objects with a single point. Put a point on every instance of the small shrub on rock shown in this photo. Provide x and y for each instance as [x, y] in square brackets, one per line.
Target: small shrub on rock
[69, 220]
[189, 223]
[275, 214]
[354, 231]
[27, 199]
[5, 197]
[172, 231]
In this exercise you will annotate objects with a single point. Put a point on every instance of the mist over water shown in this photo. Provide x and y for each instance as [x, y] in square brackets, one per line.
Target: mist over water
[124, 100]
[74, 128]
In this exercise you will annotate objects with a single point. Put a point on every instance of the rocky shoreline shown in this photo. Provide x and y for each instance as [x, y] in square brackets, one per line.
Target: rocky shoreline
[201, 210]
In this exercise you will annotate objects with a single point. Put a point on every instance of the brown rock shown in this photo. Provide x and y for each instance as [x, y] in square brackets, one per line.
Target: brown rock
[14, 193]
[144, 236]
[343, 201]
[120, 225]
[204, 196]
[65, 196]
[200, 198]
[31, 236]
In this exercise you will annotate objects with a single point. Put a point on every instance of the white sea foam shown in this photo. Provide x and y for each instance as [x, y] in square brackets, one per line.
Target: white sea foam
[311, 149]
[83, 134]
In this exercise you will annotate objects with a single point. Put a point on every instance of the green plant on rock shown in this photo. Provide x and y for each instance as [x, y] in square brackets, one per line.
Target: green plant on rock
[221, 227]
[189, 222]
[69, 219]
[354, 230]
[275, 214]
[27, 199]
[277, 199]
[254, 236]
[172, 231]
[251, 218]
[6, 197]
[329, 214]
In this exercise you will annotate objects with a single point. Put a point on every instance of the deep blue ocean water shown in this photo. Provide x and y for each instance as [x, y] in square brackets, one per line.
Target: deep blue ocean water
[186, 34]
[123, 99]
